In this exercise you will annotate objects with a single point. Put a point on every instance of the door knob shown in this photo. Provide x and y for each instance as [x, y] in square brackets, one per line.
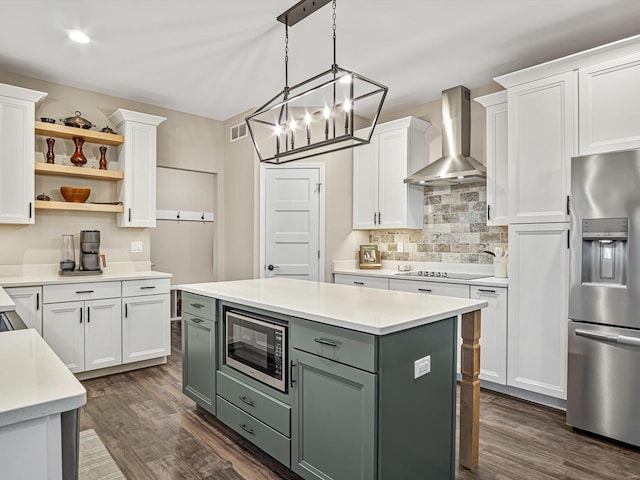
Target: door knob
[272, 267]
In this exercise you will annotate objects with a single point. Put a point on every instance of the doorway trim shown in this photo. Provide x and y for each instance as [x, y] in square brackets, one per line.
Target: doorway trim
[321, 213]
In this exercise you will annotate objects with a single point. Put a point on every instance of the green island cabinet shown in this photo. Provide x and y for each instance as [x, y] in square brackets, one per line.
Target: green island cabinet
[353, 410]
[199, 350]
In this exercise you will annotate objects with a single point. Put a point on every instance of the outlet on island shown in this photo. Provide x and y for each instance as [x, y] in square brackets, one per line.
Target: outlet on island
[136, 247]
[400, 247]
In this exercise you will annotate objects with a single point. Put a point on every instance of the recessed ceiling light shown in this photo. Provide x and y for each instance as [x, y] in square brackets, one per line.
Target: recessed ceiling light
[79, 37]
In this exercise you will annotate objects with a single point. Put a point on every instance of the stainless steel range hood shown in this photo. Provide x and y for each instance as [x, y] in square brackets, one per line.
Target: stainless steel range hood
[456, 165]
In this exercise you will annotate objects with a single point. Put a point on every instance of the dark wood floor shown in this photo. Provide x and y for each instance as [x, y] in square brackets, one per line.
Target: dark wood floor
[154, 432]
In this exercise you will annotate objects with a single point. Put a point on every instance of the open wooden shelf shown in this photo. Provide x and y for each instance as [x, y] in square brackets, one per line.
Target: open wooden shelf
[90, 136]
[78, 172]
[78, 207]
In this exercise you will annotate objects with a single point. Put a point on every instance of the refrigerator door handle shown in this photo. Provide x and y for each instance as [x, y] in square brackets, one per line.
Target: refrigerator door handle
[625, 340]
[597, 336]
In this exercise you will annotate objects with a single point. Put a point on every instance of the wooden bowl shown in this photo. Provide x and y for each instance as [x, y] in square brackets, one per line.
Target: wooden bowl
[74, 194]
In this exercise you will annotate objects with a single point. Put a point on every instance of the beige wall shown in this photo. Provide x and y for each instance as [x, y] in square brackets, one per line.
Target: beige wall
[184, 141]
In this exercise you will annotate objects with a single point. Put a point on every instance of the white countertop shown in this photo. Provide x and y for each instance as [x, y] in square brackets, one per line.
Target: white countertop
[368, 310]
[33, 380]
[54, 278]
[388, 273]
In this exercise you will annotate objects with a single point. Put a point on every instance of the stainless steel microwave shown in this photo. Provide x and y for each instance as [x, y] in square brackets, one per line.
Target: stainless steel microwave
[256, 346]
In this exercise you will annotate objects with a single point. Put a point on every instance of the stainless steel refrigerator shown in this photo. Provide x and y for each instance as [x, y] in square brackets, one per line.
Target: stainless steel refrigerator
[604, 297]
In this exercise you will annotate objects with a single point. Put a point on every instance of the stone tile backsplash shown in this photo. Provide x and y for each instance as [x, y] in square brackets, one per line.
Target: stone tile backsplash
[455, 229]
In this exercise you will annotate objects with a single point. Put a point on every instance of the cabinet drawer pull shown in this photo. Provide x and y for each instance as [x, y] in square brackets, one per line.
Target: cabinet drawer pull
[84, 291]
[247, 429]
[358, 283]
[425, 290]
[126, 310]
[291, 380]
[81, 314]
[147, 288]
[88, 314]
[197, 320]
[37, 301]
[247, 401]
[197, 305]
[483, 290]
[325, 341]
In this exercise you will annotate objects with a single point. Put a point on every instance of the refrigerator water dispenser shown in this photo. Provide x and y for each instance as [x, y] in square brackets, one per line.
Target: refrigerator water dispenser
[604, 250]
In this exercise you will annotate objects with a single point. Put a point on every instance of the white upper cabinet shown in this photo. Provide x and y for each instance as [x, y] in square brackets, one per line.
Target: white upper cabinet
[542, 123]
[137, 159]
[17, 151]
[610, 105]
[496, 157]
[381, 199]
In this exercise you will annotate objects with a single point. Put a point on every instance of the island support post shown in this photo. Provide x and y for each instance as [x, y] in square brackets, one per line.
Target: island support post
[470, 390]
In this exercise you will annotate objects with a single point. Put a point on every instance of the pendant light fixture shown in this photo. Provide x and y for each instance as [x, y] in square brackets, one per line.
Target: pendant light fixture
[316, 116]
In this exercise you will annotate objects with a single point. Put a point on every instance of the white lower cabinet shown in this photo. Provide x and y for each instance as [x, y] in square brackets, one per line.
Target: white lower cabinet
[85, 335]
[28, 302]
[146, 327]
[493, 340]
[361, 281]
[538, 303]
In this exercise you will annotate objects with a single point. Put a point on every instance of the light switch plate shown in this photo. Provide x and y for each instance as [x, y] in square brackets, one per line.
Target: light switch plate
[400, 247]
[136, 247]
[422, 366]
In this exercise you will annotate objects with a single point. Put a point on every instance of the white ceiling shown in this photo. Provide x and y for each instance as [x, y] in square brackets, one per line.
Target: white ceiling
[217, 58]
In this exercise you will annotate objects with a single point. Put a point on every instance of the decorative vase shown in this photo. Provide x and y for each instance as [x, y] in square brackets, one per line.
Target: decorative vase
[103, 158]
[50, 155]
[78, 158]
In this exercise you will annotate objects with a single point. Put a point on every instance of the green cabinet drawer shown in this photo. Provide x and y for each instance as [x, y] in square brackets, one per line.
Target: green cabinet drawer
[273, 412]
[199, 305]
[345, 346]
[261, 435]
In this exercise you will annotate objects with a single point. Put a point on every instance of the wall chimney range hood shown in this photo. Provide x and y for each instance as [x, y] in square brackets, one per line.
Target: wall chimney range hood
[456, 165]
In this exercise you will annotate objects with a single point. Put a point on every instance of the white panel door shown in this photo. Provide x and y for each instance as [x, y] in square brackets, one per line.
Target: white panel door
[292, 223]
[16, 160]
[538, 308]
[146, 328]
[63, 330]
[542, 139]
[102, 334]
[493, 340]
[28, 302]
[365, 185]
[392, 191]
[610, 105]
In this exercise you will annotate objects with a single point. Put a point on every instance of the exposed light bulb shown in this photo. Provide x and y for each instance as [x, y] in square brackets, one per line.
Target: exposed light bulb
[347, 105]
[307, 118]
[292, 128]
[78, 36]
[327, 112]
[346, 79]
[347, 108]
[292, 124]
[277, 129]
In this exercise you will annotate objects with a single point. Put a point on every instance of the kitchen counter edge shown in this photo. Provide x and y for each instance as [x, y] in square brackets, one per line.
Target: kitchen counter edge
[386, 273]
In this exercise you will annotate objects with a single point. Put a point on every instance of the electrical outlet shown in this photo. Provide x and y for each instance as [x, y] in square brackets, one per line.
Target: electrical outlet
[422, 366]
[400, 247]
[136, 247]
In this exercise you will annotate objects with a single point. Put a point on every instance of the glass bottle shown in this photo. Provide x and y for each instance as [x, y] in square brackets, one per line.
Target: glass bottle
[67, 254]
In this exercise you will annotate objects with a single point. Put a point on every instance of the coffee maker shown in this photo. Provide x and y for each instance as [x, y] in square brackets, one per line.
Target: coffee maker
[90, 252]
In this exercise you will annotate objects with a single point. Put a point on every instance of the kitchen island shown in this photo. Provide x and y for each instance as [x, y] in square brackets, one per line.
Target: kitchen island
[370, 377]
[38, 409]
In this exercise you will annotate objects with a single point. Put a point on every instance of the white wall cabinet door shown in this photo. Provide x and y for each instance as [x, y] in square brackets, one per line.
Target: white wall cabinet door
[146, 328]
[365, 185]
[102, 334]
[496, 157]
[137, 159]
[63, 330]
[16, 160]
[381, 199]
[493, 341]
[542, 139]
[538, 308]
[610, 105]
[28, 302]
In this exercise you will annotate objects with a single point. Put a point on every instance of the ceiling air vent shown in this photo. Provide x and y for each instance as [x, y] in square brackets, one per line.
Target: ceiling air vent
[238, 131]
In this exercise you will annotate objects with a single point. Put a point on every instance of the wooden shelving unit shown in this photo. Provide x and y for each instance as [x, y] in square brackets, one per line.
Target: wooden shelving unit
[77, 172]
[78, 207]
[90, 136]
